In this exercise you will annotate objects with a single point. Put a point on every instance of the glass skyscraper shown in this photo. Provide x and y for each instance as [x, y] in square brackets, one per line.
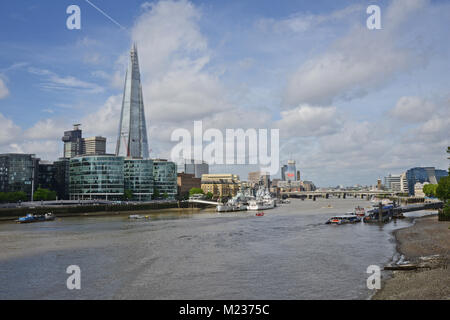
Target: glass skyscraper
[423, 174]
[132, 135]
[138, 178]
[96, 177]
[165, 177]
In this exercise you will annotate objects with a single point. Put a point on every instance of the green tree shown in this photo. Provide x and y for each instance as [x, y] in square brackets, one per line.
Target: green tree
[165, 195]
[443, 189]
[430, 190]
[128, 194]
[195, 191]
[156, 194]
[209, 195]
[44, 194]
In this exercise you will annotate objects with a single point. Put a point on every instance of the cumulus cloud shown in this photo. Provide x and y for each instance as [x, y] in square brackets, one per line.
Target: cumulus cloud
[8, 130]
[358, 62]
[46, 129]
[307, 121]
[412, 109]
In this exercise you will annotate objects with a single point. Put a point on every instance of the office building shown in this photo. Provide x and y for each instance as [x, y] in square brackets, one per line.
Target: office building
[165, 178]
[96, 177]
[288, 171]
[423, 174]
[138, 178]
[75, 145]
[195, 167]
[132, 136]
[221, 184]
[73, 142]
[392, 182]
[94, 146]
[46, 175]
[18, 172]
[61, 167]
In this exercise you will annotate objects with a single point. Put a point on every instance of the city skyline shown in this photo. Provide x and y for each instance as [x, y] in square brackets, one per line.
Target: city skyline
[385, 112]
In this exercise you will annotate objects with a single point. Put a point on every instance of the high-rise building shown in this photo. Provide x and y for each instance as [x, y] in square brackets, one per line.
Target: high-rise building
[18, 172]
[132, 135]
[46, 175]
[62, 178]
[75, 145]
[392, 182]
[165, 178]
[186, 182]
[195, 167]
[73, 142]
[288, 172]
[423, 174]
[404, 183]
[94, 146]
[138, 178]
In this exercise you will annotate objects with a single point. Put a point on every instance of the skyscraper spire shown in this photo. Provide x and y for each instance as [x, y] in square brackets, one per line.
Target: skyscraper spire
[132, 137]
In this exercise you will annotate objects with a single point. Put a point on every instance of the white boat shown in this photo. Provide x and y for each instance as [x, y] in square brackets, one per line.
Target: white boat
[260, 204]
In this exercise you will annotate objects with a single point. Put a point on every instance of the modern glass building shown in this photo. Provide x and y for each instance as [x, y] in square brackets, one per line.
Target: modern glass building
[96, 177]
[18, 172]
[138, 178]
[132, 136]
[423, 174]
[288, 172]
[165, 177]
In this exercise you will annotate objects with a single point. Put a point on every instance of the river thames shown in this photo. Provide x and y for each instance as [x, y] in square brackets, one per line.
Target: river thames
[287, 254]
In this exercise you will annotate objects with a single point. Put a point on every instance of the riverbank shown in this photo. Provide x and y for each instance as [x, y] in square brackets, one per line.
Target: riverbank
[8, 214]
[426, 245]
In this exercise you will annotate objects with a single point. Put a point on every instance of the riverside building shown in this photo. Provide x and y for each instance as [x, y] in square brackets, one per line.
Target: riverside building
[96, 177]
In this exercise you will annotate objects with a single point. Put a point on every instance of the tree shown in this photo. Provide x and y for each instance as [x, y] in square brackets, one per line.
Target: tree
[156, 194]
[443, 189]
[128, 194]
[165, 195]
[209, 195]
[430, 190]
[195, 191]
[44, 194]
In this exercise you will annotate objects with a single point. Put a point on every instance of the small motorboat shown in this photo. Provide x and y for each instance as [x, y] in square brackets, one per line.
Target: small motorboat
[347, 218]
[260, 214]
[36, 218]
[137, 216]
[360, 212]
[27, 219]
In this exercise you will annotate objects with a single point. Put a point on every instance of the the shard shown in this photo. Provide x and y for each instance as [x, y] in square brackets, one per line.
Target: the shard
[132, 137]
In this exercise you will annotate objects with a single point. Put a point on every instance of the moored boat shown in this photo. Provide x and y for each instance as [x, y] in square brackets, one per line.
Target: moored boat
[342, 219]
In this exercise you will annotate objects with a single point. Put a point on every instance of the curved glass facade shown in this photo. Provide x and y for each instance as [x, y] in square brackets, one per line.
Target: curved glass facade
[165, 175]
[96, 177]
[138, 178]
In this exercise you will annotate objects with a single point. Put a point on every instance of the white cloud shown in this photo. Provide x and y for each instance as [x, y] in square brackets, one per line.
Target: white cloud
[56, 82]
[413, 109]
[307, 121]
[46, 129]
[358, 62]
[4, 92]
[9, 131]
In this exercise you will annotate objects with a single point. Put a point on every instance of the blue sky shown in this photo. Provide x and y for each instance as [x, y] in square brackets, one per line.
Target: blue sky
[352, 104]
